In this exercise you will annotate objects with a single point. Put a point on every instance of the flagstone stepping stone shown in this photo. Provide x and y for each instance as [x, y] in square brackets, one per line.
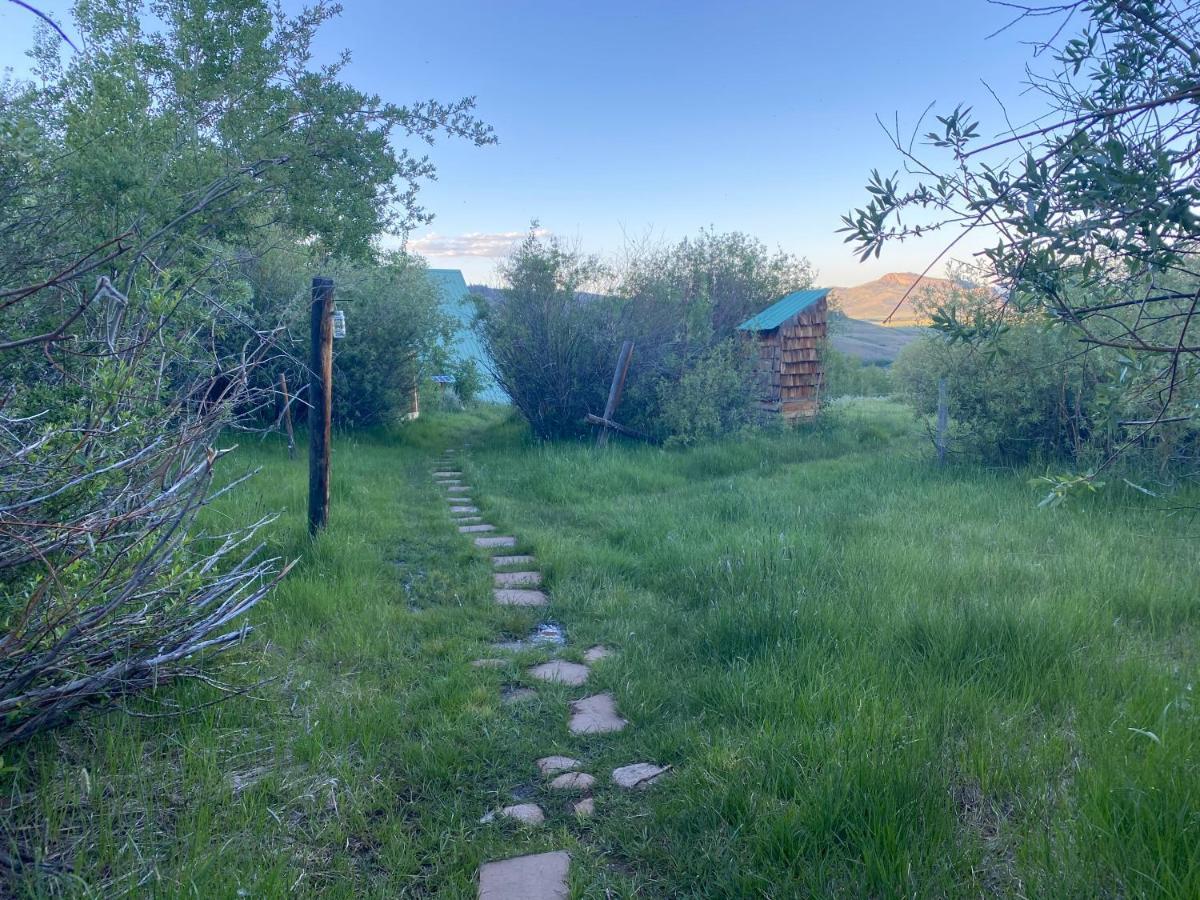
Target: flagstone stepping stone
[573, 781]
[552, 765]
[540, 876]
[458, 501]
[464, 509]
[510, 694]
[529, 813]
[465, 520]
[518, 579]
[595, 715]
[519, 596]
[638, 776]
[485, 542]
[489, 663]
[597, 653]
[446, 473]
[455, 486]
[559, 671]
[475, 529]
[501, 561]
[585, 807]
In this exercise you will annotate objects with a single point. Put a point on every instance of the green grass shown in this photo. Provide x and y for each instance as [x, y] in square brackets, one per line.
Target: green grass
[872, 678]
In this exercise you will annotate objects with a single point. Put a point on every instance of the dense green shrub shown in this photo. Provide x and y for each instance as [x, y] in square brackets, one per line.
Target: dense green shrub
[711, 397]
[393, 325]
[552, 347]
[849, 376]
[1019, 398]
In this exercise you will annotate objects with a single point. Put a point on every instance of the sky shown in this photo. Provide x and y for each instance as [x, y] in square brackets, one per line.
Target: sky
[625, 121]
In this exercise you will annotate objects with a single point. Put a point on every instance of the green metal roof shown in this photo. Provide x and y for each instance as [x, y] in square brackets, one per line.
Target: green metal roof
[782, 310]
[456, 302]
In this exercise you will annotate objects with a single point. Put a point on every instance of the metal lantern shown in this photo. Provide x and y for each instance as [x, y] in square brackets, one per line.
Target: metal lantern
[339, 324]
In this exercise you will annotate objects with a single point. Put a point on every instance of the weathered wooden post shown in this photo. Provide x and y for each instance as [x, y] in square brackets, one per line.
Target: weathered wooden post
[614, 391]
[320, 391]
[943, 420]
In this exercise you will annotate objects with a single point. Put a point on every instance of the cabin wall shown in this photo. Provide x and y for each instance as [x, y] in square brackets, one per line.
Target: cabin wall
[789, 363]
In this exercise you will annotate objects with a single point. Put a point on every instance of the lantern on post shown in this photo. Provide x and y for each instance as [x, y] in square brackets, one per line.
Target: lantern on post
[339, 324]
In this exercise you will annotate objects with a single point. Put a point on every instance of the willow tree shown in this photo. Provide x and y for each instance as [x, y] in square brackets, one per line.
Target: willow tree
[1091, 211]
[137, 176]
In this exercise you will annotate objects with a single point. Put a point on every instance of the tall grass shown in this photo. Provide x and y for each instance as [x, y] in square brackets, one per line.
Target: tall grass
[872, 677]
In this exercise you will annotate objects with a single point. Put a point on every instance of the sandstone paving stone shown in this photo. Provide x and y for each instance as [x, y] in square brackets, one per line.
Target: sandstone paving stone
[573, 781]
[559, 671]
[529, 813]
[501, 561]
[638, 775]
[475, 529]
[595, 715]
[495, 541]
[552, 765]
[597, 653]
[585, 807]
[465, 520]
[541, 876]
[518, 596]
[464, 509]
[518, 579]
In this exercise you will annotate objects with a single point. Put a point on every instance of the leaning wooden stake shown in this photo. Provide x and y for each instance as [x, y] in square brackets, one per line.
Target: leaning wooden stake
[320, 431]
[943, 420]
[614, 391]
[287, 415]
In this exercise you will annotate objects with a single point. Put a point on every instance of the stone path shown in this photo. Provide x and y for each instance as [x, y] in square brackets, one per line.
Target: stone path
[539, 876]
[542, 876]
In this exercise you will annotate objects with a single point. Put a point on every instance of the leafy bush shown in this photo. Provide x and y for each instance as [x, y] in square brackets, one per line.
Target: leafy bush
[552, 346]
[848, 376]
[710, 397]
[1019, 391]
[555, 345]
[393, 324]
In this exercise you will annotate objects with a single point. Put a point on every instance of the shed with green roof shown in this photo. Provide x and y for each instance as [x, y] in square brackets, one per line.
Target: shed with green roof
[789, 336]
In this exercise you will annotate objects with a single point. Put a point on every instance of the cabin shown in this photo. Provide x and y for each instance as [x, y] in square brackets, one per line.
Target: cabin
[457, 304]
[788, 337]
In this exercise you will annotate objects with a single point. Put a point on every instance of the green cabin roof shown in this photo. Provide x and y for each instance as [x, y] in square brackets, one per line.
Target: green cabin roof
[456, 302]
[782, 310]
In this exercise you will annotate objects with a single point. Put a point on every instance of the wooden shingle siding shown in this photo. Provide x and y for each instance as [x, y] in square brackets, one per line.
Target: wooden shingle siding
[791, 372]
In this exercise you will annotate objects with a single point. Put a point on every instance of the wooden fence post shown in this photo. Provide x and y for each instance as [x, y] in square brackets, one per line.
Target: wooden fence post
[614, 391]
[320, 365]
[943, 420]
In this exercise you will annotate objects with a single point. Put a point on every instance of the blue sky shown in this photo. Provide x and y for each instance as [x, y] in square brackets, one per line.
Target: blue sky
[622, 120]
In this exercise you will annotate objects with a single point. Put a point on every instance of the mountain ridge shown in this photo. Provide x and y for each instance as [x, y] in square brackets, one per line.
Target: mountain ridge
[873, 301]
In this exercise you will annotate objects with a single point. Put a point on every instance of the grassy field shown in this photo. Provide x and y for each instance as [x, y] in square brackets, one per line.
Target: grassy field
[872, 678]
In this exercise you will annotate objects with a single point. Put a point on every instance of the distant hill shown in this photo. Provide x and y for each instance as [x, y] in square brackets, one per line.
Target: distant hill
[874, 301]
[868, 341]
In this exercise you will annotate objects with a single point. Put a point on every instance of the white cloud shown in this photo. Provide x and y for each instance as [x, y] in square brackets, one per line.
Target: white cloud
[493, 245]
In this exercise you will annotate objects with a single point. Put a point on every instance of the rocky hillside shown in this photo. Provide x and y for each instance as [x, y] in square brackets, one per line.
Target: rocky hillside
[874, 301]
